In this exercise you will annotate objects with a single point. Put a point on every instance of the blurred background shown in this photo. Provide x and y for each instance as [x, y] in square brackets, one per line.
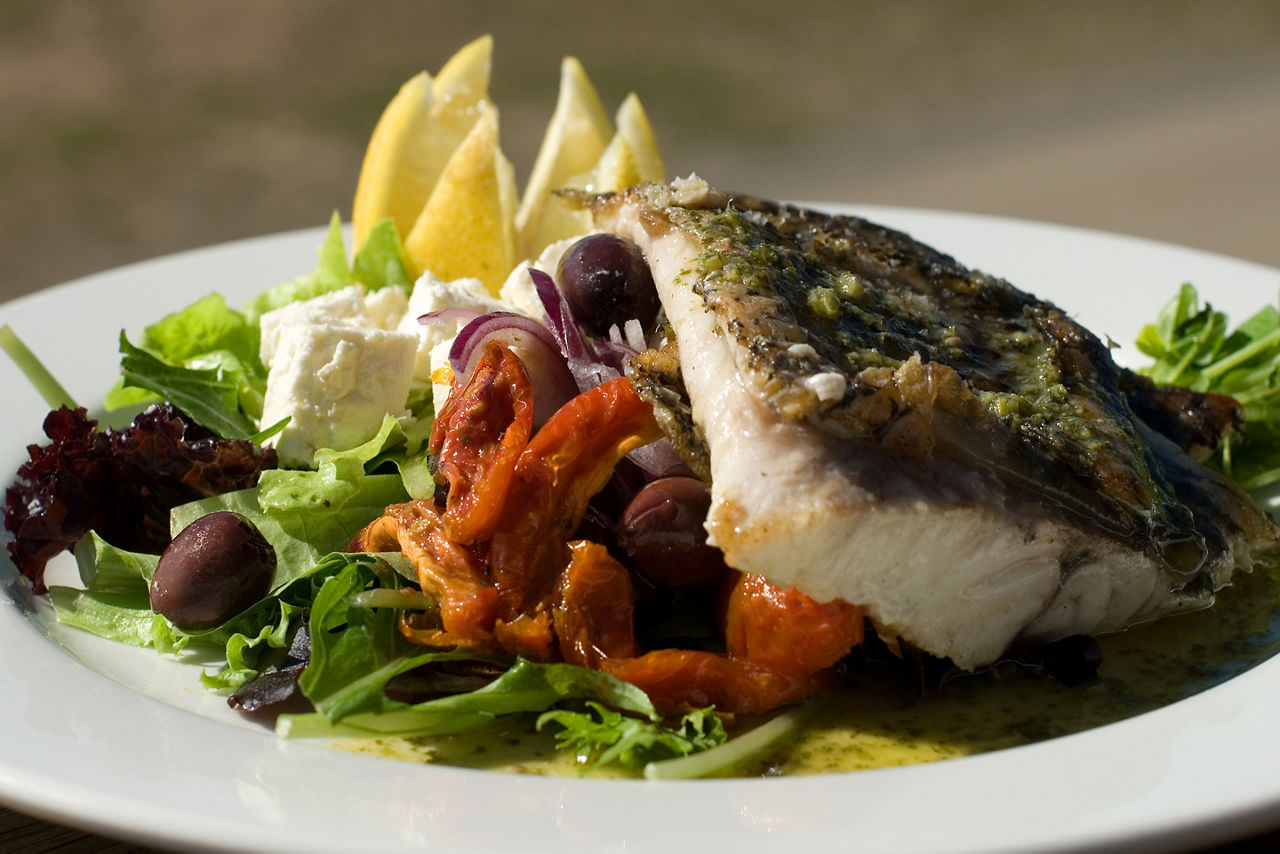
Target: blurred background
[132, 129]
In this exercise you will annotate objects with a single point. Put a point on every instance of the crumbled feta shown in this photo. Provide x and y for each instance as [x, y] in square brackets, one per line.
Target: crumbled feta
[335, 383]
[518, 290]
[386, 307]
[432, 294]
[333, 371]
[343, 307]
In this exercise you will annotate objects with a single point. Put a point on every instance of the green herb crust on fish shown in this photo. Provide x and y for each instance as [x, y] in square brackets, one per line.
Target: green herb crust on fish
[891, 428]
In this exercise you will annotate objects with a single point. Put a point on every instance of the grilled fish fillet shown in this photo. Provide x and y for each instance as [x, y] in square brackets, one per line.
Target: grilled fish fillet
[890, 428]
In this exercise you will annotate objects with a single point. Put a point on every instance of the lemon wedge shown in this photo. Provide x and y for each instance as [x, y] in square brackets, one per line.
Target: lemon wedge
[467, 226]
[416, 136]
[461, 88]
[575, 139]
[633, 126]
[618, 167]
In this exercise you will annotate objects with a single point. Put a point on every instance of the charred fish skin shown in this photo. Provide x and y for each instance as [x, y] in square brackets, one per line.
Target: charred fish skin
[656, 376]
[876, 412]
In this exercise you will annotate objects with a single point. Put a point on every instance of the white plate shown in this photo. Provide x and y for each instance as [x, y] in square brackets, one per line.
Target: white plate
[111, 738]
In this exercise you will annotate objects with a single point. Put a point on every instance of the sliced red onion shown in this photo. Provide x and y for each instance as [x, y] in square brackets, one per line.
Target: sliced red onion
[553, 383]
[559, 317]
[599, 362]
[471, 337]
[445, 316]
[658, 459]
[614, 350]
[589, 373]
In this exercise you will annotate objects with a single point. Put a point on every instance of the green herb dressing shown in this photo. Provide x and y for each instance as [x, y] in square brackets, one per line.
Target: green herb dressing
[877, 721]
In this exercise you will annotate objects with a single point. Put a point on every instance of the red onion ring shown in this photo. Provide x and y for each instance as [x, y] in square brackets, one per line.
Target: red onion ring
[448, 315]
[553, 382]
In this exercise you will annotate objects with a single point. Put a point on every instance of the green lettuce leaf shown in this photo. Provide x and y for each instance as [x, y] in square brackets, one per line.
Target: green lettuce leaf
[331, 274]
[526, 687]
[123, 618]
[380, 261]
[105, 568]
[205, 336]
[1192, 347]
[210, 396]
[246, 652]
[356, 651]
[115, 603]
[338, 475]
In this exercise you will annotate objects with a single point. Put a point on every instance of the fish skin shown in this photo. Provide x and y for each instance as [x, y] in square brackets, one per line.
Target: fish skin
[888, 427]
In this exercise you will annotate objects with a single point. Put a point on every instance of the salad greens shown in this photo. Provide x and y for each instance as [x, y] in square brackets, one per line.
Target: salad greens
[36, 373]
[607, 736]
[1192, 347]
[204, 359]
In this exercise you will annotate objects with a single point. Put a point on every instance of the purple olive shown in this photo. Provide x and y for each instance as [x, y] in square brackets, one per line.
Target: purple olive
[216, 567]
[661, 530]
[605, 280]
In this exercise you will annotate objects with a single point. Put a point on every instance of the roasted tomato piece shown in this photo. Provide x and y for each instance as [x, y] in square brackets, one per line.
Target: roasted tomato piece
[446, 570]
[569, 460]
[679, 679]
[477, 437]
[787, 630]
[595, 608]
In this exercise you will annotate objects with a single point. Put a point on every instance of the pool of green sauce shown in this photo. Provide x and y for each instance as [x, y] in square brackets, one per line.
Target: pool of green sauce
[879, 721]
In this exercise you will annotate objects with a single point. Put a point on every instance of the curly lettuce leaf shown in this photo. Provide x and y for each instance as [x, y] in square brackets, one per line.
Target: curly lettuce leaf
[600, 735]
[120, 483]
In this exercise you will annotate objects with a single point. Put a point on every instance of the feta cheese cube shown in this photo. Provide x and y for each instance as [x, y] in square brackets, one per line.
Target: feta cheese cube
[336, 384]
[336, 366]
[385, 308]
[518, 290]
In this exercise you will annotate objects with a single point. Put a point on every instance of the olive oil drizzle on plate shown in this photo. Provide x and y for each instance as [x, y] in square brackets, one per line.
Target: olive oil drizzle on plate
[879, 720]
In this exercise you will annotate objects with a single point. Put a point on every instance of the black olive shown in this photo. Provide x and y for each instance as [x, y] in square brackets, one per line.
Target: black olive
[661, 531]
[605, 280]
[216, 567]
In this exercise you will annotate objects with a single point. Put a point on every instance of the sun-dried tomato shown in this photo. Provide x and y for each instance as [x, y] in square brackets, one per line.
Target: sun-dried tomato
[447, 570]
[569, 460]
[594, 612]
[787, 630]
[477, 436]
[678, 680]
[493, 555]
